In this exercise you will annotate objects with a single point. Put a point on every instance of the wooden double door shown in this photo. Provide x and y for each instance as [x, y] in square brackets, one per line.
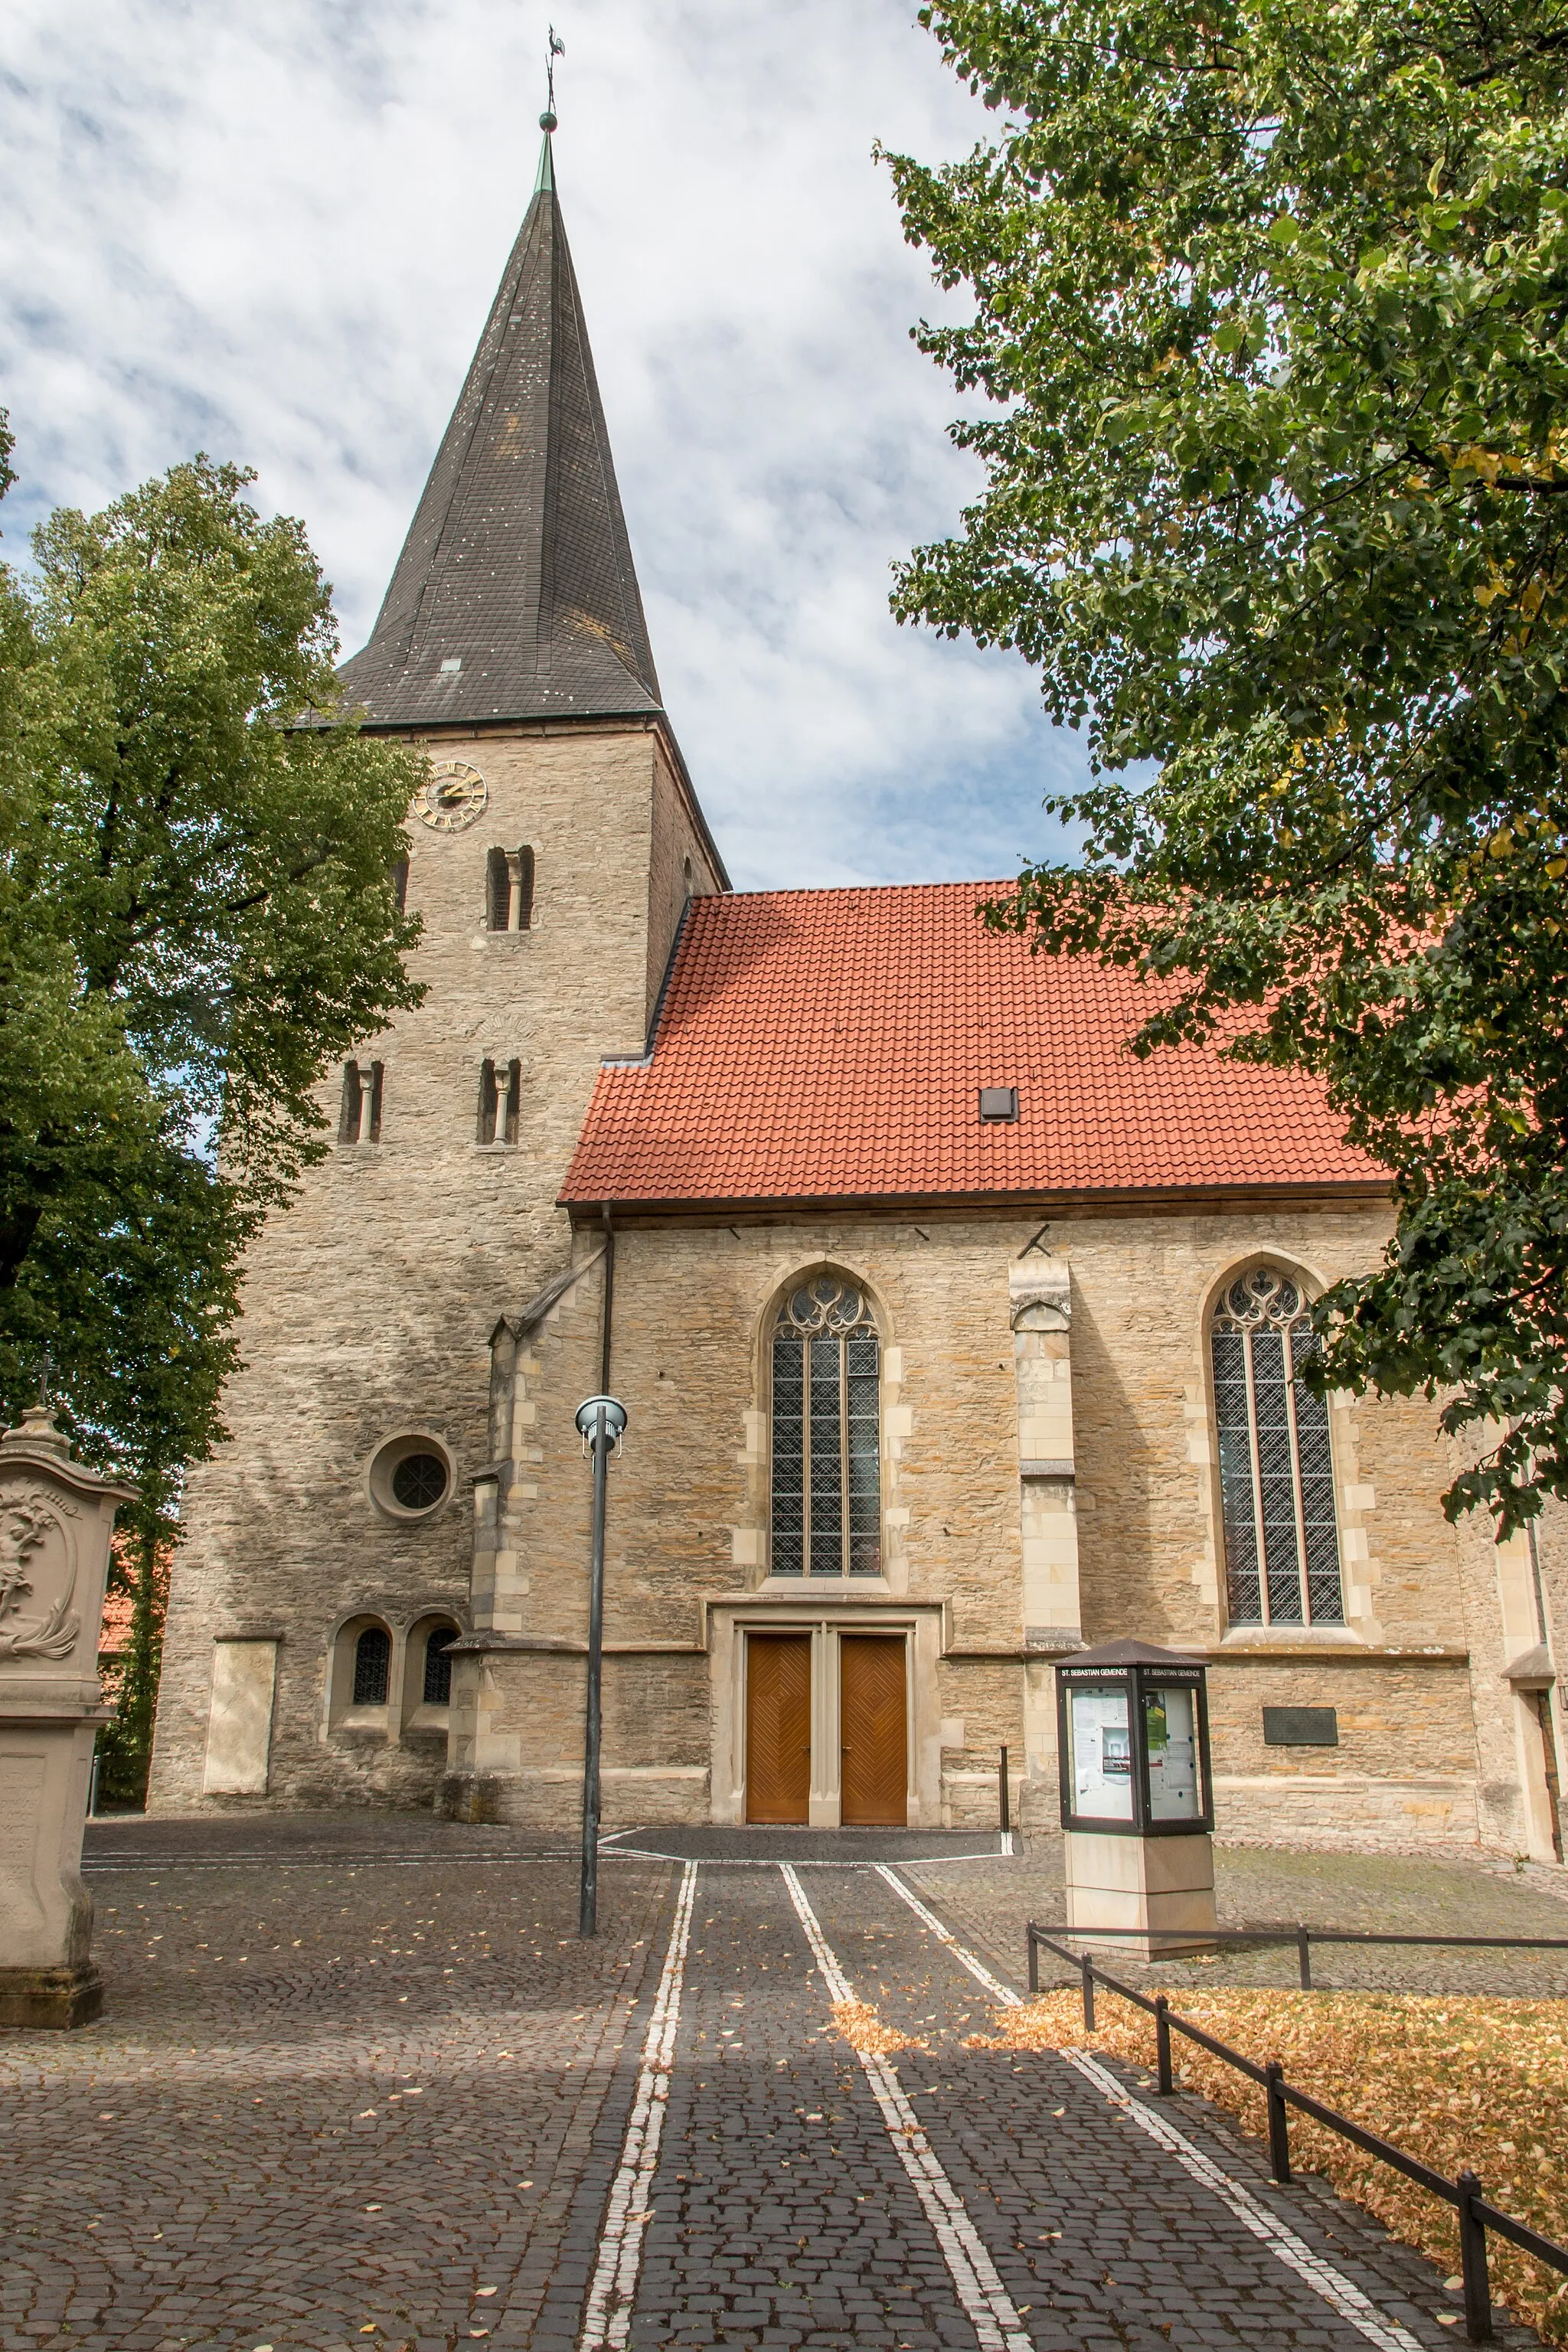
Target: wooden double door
[873, 1741]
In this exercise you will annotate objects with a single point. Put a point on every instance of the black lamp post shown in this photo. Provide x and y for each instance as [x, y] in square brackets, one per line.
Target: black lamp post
[601, 1422]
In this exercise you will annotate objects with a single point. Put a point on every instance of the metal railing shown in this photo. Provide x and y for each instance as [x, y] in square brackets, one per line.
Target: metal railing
[1304, 1937]
[1476, 2213]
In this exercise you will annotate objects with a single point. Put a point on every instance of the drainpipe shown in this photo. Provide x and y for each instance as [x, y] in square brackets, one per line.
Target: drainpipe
[588, 1902]
[609, 1299]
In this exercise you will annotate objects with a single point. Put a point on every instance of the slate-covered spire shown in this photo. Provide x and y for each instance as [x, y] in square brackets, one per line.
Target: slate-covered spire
[515, 596]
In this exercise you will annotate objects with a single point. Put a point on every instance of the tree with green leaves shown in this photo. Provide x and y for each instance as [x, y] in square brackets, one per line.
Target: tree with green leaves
[197, 917]
[1269, 310]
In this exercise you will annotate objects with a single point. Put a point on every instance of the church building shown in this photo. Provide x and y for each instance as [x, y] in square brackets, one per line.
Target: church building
[953, 1338]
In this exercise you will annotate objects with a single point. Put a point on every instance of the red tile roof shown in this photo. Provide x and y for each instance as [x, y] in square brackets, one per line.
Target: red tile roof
[115, 1633]
[831, 1044]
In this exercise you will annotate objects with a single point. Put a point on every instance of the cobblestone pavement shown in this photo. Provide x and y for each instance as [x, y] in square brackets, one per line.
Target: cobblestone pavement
[225, 1837]
[327, 2107]
[783, 2215]
[393, 2104]
[1390, 1894]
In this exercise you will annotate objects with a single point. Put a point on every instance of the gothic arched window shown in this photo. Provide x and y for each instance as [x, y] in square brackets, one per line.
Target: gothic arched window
[827, 1464]
[1276, 1468]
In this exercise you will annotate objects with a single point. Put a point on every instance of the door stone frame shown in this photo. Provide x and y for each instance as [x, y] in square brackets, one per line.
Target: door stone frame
[824, 1618]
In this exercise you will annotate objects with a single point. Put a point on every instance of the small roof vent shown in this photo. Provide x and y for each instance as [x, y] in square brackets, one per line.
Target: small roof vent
[998, 1103]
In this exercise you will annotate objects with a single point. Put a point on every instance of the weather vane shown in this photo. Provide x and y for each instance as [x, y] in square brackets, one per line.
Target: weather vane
[557, 49]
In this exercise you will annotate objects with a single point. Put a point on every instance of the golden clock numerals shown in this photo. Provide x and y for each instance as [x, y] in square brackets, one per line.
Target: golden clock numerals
[454, 796]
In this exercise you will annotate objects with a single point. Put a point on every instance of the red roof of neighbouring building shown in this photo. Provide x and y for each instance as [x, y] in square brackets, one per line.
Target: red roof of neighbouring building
[831, 1044]
[115, 1631]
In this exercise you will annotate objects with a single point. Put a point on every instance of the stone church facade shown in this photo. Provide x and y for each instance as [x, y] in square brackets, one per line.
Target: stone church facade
[951, 1337]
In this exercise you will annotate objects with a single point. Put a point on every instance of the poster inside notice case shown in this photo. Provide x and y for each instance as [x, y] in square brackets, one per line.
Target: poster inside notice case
[1101, 1755]
[1171, 1734]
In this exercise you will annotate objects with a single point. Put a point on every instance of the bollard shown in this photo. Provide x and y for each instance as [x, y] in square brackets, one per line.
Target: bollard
[1304, 1955]
[1163, 2044]
[1034, 1961]
[1473, 2261]
[1087, 1964]
[1278, 2122]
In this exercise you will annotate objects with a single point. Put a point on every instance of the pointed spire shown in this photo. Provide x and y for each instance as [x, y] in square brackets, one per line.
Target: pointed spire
[515, 595]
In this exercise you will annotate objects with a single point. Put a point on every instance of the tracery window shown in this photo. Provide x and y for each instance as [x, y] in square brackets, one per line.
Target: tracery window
[1276, 1466]
[827, 1464]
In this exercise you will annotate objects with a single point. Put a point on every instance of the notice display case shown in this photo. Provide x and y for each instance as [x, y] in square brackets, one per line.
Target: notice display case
[1134, 1740]
[1136, 1798]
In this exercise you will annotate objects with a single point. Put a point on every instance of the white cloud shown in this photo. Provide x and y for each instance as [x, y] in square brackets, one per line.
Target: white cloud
[271, 228]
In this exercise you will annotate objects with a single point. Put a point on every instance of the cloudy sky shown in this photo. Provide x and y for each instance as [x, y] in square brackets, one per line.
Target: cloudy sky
[271, 229]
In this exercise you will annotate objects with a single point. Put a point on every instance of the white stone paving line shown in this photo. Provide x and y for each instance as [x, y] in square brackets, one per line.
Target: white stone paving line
[1340, 2293]
[944, 1935]
[992, 2313]
[607, 2314]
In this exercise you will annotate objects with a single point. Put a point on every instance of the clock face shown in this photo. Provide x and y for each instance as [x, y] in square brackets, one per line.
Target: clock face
[454, 796]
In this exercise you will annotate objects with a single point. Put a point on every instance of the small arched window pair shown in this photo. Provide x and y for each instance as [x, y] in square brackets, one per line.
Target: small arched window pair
[1275, 1462]
[500, 1101]
[827, 1466]
[373, 1663]
[437, 1686]
[509, 890]
[359, 1120]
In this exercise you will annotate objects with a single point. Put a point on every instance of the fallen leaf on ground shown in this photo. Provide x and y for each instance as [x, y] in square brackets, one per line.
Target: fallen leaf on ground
[864, 2031]
[1476, 2081]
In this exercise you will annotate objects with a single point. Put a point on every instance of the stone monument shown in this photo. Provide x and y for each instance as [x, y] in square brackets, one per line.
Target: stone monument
[56, 1521]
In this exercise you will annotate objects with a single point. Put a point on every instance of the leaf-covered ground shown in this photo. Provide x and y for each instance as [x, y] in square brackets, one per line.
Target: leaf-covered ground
[1454, 2082]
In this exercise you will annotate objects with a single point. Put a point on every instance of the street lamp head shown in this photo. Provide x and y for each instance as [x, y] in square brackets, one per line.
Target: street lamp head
[588, 1412]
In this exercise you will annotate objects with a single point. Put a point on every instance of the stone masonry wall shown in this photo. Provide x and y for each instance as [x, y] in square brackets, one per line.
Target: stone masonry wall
[687, 1517]
[369, 1305]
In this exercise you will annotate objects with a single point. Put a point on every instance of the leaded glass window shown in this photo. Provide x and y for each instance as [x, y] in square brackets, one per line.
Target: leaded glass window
[373, 1657]
[437, 1686]
[826, 1477]
[1276, 1468]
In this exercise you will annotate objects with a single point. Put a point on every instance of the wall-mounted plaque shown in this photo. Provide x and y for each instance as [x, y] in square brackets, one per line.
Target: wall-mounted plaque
[1300, 1726]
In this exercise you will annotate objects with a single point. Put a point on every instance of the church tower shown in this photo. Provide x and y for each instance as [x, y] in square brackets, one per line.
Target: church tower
[554, 849]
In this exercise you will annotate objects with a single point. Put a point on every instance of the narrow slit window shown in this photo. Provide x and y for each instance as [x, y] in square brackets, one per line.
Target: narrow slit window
[509, 890]
[359, 1114]
[500, 1101]
[1276, 1464]
[497, 892]
[826, 1485]
[400, 884]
